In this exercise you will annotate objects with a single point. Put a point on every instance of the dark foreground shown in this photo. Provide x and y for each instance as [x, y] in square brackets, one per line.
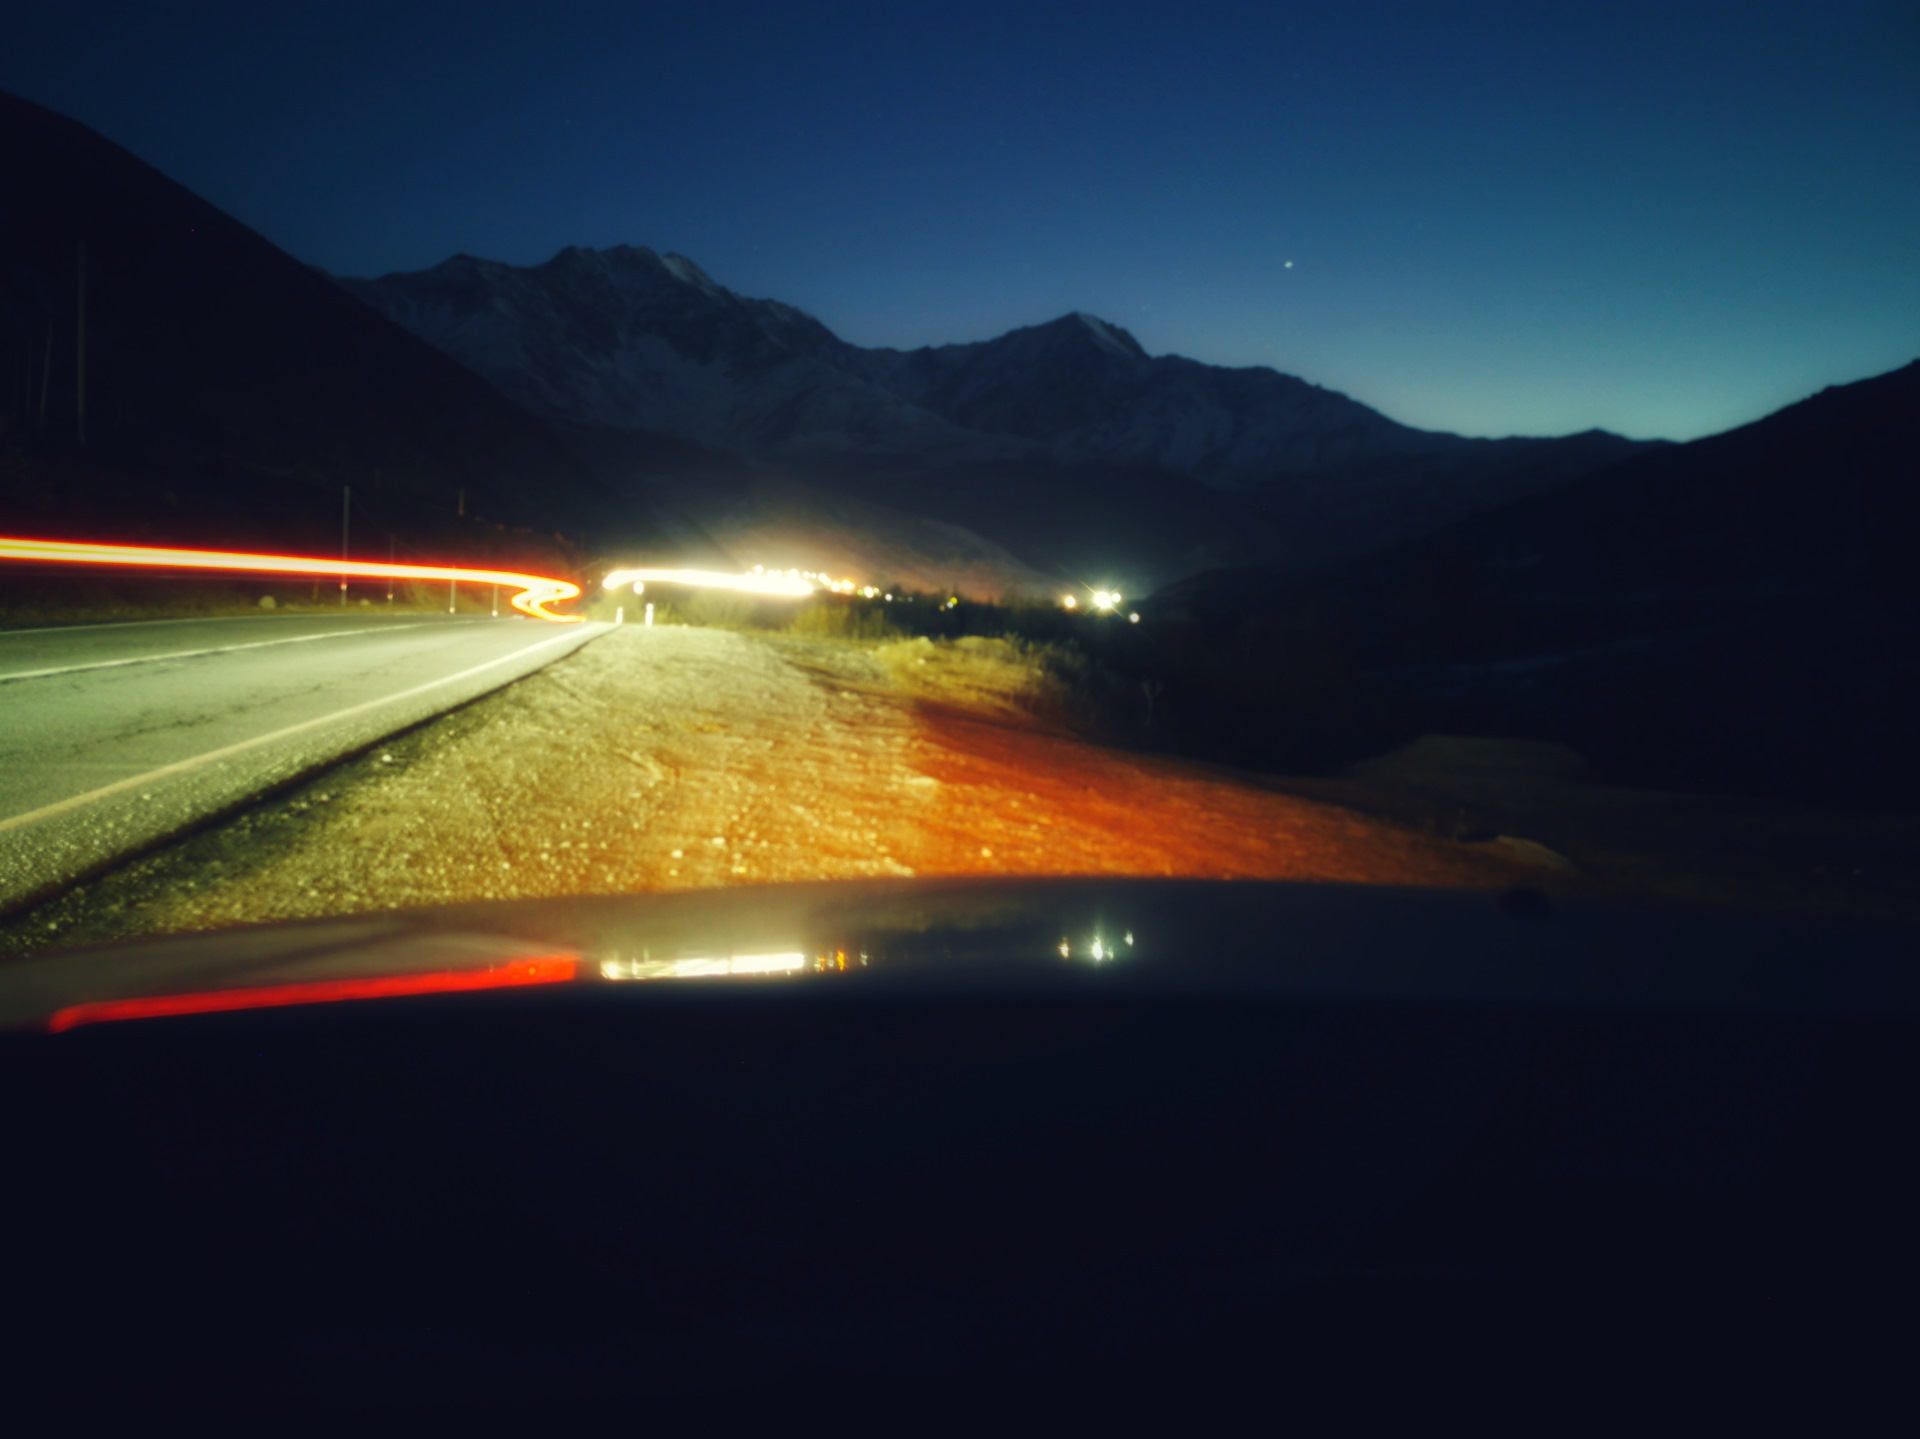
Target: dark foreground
[907, 1149]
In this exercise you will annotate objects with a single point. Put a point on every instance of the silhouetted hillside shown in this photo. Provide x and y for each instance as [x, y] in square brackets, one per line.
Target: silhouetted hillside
[219, 391]
[1733, 614]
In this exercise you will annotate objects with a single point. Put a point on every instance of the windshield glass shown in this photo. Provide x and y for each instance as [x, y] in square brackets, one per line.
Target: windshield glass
[600, 452]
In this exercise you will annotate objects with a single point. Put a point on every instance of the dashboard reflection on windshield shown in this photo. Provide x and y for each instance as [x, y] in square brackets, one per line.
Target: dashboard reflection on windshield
[703, 967]
[1097, 950]
[550, 969]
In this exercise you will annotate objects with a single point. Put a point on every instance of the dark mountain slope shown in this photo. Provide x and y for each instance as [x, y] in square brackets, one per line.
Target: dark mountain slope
[227, 391]
[709, 508]
[1071, 420]
[629, 339]
[1735, 613]
[1086, 388]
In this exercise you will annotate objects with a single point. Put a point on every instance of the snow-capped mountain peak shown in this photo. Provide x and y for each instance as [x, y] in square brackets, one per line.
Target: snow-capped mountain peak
[1111, 337]
[626, 338]
[688, 273]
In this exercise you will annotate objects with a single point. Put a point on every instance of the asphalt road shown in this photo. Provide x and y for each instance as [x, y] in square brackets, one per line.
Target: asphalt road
[113, 737]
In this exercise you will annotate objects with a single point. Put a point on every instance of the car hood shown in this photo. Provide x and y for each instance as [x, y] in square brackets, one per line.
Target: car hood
[928, 937]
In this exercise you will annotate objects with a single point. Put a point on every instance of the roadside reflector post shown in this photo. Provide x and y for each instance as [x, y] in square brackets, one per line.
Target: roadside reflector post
[649, 612]
[496, 602]
[450, 589]
[620, 615]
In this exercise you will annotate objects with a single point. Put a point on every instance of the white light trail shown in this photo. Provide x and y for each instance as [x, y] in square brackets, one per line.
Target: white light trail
[789, 585]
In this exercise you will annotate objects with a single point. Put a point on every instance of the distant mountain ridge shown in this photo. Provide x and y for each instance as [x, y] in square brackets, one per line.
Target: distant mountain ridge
[1086, 389]
[629, 339]
[626, 338]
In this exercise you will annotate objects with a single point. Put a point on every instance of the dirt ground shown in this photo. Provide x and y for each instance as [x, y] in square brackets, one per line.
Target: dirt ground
[676, 758]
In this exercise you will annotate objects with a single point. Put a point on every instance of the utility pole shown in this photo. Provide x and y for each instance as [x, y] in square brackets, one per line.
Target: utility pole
[460, 509]
[346, 510]
[80, 349]
[46, 375]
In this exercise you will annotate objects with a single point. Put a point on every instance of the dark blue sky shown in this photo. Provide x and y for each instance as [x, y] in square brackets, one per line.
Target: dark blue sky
[1664, 219]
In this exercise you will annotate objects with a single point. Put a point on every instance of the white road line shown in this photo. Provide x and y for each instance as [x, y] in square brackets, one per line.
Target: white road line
[21, 821]
[192, 654]
[137, 624]
[183, 620]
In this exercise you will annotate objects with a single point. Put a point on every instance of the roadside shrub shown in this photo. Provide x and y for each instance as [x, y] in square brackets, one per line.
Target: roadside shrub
[720, 609]
[842, 620]
[1050, 680]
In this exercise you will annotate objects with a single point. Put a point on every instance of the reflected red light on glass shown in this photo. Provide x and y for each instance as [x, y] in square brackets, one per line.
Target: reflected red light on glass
[548, 969]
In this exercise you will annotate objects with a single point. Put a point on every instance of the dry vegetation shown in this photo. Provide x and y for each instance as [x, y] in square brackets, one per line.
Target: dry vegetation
[993, 676]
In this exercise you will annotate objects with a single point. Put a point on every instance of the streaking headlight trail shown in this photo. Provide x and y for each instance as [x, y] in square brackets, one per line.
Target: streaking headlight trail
[764, 584]
[536, 591]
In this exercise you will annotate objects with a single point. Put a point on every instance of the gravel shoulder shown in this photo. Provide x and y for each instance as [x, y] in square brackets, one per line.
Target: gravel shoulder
[677, 758]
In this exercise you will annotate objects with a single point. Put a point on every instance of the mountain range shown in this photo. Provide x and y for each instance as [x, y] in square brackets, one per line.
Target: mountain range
[1066, 443]
[170, 374]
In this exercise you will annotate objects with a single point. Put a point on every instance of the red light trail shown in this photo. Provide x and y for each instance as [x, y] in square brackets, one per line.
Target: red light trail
[550, 969]
[536, 591]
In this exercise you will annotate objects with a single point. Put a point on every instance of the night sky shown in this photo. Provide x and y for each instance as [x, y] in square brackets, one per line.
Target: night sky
[1663, 219]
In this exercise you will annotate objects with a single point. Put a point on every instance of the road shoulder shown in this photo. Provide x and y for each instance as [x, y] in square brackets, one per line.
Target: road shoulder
[678, 758]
